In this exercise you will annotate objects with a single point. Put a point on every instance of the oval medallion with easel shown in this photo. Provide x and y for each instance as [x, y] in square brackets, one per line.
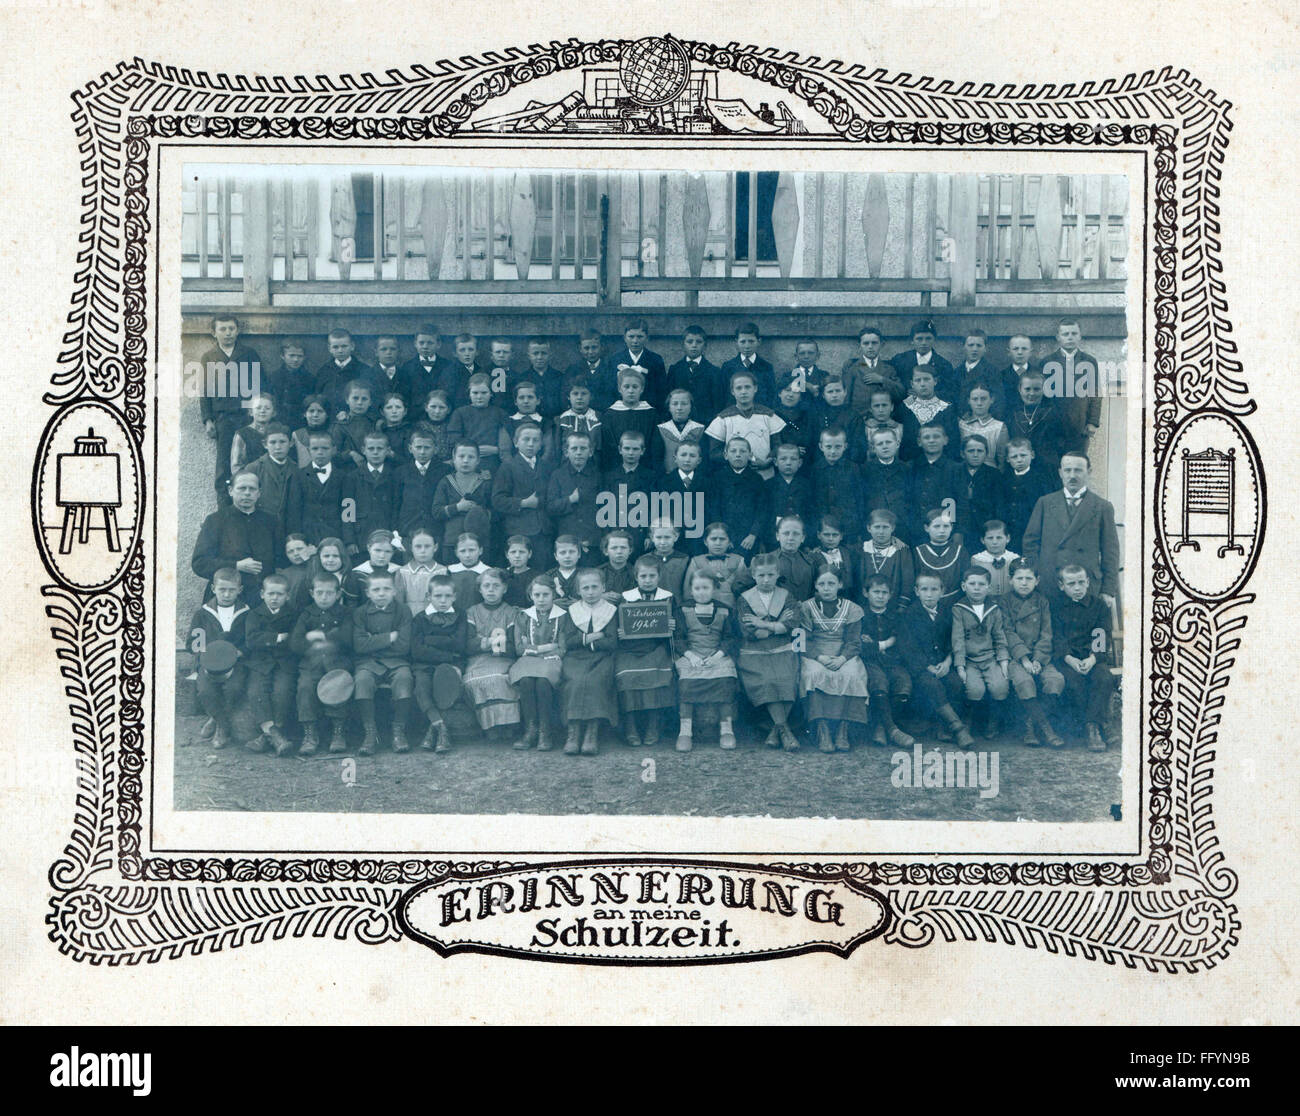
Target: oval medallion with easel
[86, 496]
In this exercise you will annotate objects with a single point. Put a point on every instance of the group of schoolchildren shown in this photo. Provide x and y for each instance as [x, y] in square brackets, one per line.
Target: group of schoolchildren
[341, 489]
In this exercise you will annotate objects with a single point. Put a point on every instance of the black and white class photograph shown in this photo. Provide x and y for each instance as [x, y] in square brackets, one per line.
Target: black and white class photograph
[786, 493]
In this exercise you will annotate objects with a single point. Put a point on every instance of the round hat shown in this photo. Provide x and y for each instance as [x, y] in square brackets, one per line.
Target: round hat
[334, 688]
[219, 657]
[446, 685]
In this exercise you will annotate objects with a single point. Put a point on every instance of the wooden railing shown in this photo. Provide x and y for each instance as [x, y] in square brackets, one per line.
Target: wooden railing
[604, 233]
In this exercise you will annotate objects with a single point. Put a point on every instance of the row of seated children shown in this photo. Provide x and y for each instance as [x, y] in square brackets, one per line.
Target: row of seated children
[560, 667]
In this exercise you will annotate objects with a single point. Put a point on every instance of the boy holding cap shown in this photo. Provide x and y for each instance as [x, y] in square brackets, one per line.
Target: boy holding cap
[321, 637]
[217, 638]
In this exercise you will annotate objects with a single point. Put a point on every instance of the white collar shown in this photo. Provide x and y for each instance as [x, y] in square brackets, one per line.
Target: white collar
[226, 614]
[582, 613]
[1076, 496]
[924, 359]
[661, 594]
[556, 611]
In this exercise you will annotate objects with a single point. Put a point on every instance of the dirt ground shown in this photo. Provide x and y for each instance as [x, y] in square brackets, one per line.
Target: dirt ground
[1034, 784]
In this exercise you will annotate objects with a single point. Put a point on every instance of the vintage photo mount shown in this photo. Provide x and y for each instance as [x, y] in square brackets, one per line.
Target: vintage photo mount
[114, 902]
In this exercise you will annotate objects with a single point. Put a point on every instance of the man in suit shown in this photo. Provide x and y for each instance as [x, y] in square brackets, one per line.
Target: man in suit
[946, 385]
[1074, 526]
[1072, 377]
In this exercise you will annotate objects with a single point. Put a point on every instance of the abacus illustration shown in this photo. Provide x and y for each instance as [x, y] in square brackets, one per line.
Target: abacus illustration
[1209, 488]
[86, 479]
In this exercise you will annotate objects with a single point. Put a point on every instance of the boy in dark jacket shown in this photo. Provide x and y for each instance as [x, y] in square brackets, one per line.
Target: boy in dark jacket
[318, 494]
[979, 643]
[272, 670]
[439, 636]
[837, 484]
[888, 682]
[1081, 634]
[788, 491]
[519, 490]
[381, 638]
[222, 619]
[376, 488]
[1024, 480]
[979, 491]
[925, 642]
[1028, 623]
[738, 498]
[228, 366]
[571, 496]
[887, 486]
[698, 375]
[321, 637]
[416, 481]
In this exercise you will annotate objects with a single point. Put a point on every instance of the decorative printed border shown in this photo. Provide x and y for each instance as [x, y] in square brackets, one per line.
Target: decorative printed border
[1172, 913]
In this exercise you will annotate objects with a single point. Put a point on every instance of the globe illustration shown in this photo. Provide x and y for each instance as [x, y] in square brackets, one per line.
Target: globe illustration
[654, 71]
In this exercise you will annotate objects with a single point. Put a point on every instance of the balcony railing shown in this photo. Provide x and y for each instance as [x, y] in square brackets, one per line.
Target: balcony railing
[600, 234]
